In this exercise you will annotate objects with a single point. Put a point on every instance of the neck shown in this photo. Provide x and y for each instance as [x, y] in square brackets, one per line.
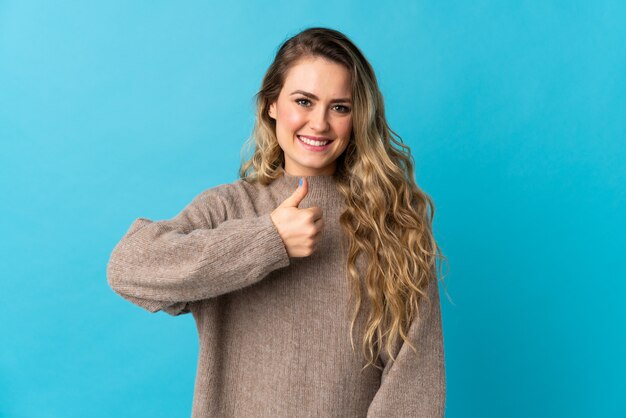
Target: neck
[320, 186]
[328, 171]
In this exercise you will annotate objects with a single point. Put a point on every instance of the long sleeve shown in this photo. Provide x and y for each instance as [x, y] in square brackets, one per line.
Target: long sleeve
[415, 385]
[199, 254]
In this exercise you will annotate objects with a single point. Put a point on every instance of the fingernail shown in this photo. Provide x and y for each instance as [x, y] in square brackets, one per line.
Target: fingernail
[300, 181]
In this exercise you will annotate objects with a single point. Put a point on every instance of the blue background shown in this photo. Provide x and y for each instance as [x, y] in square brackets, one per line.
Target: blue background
[515, 112]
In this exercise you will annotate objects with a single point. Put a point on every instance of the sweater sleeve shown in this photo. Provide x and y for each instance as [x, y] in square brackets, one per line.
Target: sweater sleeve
[415, 384]
[199, 254]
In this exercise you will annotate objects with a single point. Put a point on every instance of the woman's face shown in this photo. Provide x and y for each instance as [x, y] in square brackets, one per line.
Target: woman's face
[315, 106]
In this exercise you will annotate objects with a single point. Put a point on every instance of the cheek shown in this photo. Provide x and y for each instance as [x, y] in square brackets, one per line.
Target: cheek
[344, 127]
[291, 118]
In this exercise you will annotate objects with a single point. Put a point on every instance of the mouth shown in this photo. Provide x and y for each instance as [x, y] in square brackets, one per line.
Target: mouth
[314, 141]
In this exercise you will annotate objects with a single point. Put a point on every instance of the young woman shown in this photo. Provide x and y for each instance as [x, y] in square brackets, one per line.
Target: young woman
[325, 239]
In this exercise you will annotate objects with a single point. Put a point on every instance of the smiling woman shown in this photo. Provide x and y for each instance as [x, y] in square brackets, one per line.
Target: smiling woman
[325, 236]
[313, 116]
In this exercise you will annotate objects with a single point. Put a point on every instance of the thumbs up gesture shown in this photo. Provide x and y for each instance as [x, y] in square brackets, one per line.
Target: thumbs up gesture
[300, 229]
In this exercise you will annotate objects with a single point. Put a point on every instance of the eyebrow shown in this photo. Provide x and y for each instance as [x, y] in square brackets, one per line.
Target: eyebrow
[314, 97]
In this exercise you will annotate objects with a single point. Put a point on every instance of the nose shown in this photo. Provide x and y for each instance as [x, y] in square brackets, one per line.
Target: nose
[319, 119]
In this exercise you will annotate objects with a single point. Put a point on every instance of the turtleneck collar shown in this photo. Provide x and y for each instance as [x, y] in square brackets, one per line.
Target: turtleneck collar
[321, 187]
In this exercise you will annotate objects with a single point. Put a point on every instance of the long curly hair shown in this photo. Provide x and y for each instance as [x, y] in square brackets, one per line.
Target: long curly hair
[388, 218]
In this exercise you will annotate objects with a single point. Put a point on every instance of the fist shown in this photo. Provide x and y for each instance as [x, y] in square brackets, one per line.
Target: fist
[300, 229]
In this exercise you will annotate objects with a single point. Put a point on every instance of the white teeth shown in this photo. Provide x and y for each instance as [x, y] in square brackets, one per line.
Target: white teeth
[311, 142]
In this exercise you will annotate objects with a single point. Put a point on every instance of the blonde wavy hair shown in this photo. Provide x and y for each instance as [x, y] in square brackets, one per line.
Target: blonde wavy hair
[388, 218]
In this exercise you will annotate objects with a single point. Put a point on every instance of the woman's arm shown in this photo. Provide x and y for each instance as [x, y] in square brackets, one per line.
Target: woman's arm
[415, 384]
[199, 254]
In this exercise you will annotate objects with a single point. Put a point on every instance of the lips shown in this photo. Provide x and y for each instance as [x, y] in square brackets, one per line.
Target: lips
[311, 147]
[316, 138]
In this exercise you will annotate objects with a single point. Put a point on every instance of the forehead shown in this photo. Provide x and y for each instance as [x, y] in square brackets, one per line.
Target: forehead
[318, 76]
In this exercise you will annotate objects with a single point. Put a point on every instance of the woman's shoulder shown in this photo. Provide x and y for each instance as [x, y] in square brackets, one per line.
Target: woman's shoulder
[234, 193]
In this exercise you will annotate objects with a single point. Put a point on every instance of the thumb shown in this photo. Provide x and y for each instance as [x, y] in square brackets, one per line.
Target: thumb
[297, 196]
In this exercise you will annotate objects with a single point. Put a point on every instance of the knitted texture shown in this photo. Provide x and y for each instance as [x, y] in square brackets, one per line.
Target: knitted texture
[274, 331]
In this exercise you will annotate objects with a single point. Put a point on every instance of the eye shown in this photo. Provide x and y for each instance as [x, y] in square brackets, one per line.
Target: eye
[303, 102]
[342, 109]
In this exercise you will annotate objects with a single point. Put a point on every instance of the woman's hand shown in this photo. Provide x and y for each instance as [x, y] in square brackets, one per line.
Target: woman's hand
[300, 229]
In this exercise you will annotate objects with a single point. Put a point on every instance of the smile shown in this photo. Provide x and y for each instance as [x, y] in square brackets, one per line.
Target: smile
[313, 142]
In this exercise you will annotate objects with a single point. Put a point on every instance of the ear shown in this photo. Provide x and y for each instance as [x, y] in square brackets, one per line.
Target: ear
[272, 111]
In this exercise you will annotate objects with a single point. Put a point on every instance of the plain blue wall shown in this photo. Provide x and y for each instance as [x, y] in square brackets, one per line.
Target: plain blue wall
[515, 112]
